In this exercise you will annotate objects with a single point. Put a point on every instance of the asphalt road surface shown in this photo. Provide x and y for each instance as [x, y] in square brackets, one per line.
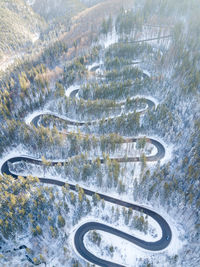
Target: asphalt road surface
[83, 229]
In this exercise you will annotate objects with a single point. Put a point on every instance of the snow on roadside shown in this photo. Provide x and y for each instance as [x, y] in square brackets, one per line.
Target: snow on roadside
[31, 116]
[123, 246]
[70, 89]
[126, 197]
[28, 119]
[95, 64]
[124, 252]
[18, 151]
[147, 73]
[168, 148]
[148, 97]
[127, 253]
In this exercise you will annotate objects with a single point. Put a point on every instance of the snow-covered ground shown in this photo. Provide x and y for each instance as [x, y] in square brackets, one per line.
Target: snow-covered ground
[124, 252]
[35, 37]
[28, 119]
[110, 39]
[153, 99]
[70, 89]
[93, 65]
[124, 150]
[19, 150]
[30, 2]
[9, 60]
[146, 33]
[169, 148]
[31, 116]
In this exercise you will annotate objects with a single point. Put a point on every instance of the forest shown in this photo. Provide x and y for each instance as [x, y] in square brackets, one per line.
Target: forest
[100, 133]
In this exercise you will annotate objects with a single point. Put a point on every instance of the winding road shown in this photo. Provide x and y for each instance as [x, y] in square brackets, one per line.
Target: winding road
[36, 120]
[84, 228]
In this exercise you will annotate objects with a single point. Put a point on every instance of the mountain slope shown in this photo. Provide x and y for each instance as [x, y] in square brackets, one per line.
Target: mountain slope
[19, 25]
[56, 10]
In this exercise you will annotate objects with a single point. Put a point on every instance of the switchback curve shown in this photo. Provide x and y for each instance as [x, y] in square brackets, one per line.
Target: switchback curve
[83, 229]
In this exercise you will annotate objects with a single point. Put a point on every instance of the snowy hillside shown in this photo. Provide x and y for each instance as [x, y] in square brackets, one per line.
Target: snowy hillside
[100, 134]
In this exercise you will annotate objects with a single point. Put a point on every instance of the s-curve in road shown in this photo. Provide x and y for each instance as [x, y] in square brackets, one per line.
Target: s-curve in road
[86, 227]
[83, 229]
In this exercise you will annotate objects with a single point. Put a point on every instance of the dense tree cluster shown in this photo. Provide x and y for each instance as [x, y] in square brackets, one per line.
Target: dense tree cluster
[87, 154]
[127, 51]
[104, 90]
[27, 206]
[106, 25]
